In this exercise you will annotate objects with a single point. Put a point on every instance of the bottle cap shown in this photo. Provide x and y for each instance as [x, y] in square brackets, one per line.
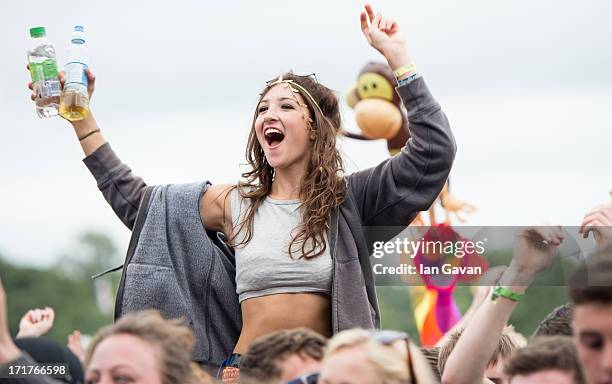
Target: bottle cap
[37, 32]
[78, 34]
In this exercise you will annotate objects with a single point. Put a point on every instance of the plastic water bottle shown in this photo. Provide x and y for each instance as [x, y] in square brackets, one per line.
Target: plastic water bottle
[75, 100]
[43, 70]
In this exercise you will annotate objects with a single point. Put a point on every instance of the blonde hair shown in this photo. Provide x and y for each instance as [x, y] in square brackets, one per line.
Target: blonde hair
[509, 342]
[171, 341]
[390, 361]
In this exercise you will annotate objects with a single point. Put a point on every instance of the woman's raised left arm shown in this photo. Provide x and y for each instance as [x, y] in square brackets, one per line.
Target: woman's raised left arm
[392, 193]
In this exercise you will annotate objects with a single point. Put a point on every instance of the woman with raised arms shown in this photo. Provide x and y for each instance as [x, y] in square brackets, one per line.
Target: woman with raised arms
[284, 247]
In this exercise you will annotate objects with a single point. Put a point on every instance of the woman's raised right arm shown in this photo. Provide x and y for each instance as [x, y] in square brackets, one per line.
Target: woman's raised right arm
[120, 187]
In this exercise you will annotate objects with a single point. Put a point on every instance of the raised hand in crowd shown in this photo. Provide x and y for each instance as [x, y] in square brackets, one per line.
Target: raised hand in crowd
[480, 295]
[599, 222]
[75, 344]
[533, 252]
[36, 322]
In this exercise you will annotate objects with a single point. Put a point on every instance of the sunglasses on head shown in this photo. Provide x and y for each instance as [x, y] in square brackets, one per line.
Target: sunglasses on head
[389, 337]
[310, 378]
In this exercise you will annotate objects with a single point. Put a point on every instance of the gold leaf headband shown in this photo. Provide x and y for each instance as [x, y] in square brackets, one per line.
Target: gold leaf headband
[290, 84]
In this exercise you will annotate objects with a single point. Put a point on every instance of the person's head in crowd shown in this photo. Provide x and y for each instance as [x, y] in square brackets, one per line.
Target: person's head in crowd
[547, 359]
[141, 347]
[359, 356]
[517, 339]
[283, 356]
[509, 342]
[46, 351]
[557, 323]
[590, 291]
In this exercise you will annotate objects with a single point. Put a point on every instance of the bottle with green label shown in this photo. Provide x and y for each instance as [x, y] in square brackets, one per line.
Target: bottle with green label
[43, 69]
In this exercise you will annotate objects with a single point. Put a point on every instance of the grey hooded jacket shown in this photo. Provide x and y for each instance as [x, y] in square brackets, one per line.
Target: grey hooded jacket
[169, 265]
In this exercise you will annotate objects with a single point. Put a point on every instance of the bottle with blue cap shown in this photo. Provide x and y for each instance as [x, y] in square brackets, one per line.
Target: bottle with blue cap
[43, 69]
[74, 103]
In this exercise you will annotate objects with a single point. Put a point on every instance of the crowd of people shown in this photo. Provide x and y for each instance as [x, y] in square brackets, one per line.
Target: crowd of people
[573, 345]
[268, 281]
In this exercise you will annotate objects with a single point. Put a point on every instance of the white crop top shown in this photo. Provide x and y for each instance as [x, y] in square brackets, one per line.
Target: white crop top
[263, 265]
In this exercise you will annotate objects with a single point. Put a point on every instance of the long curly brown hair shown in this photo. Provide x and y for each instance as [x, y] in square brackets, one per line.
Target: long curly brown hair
[323, 187]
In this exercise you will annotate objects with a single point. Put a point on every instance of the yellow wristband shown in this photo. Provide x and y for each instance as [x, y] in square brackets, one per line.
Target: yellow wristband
[399, 72]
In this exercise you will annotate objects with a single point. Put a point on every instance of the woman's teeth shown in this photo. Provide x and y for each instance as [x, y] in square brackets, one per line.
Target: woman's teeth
[273, 136]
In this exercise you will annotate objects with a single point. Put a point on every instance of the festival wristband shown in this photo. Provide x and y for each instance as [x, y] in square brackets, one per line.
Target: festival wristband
[399, 72]
[500, 291]
[408, 79]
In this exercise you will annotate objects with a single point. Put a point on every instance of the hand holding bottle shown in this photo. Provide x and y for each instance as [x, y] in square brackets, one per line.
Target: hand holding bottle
[91, 81]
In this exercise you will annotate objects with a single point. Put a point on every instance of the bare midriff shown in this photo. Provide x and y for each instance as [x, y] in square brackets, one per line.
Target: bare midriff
[266, 314]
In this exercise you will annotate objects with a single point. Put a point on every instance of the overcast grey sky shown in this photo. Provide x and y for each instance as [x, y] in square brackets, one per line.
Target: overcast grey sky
[526, 85]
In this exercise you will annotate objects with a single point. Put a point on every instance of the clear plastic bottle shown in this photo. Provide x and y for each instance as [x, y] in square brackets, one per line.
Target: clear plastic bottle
[75, 100]
[43, 70]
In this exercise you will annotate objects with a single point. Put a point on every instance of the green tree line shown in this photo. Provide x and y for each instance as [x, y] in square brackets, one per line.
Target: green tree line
[67, 287]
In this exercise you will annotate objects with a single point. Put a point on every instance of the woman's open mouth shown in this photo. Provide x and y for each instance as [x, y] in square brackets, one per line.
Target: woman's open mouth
[273, 136]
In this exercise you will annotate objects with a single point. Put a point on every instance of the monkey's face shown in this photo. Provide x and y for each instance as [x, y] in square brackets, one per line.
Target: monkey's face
[376, 115]
[374, 86]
